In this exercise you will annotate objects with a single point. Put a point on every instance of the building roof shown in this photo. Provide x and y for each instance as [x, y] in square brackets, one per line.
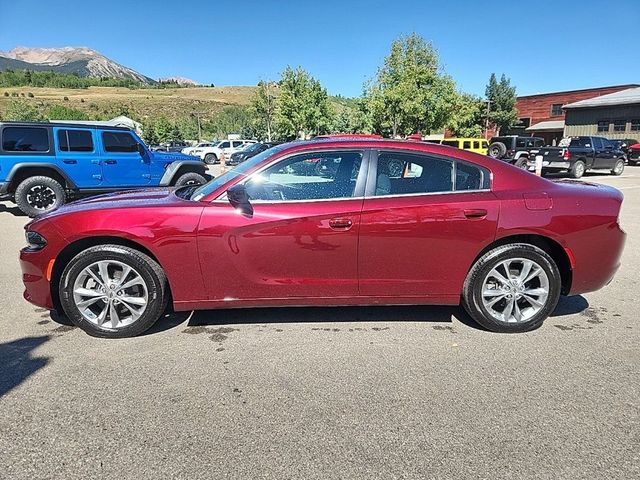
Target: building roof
[593, 89]
[546, 126]
[623, 97]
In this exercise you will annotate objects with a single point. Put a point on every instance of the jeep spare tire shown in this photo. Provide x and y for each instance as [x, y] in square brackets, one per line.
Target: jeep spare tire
[497, 150]
[38, 195]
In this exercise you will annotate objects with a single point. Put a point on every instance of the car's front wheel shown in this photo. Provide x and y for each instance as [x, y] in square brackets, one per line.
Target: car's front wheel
[113, 291]
[512, 288]
[190, 178]
[210, 158]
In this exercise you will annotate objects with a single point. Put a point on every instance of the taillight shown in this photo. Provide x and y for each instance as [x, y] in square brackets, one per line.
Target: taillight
[566, 155]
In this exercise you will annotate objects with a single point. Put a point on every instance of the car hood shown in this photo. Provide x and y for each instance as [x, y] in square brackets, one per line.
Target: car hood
[159, 197]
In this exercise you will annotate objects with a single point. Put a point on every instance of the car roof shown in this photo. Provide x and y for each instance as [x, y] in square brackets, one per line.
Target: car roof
[62, 124]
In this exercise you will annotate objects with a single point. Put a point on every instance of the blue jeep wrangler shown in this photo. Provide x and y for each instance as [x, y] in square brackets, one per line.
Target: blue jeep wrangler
[44, 164]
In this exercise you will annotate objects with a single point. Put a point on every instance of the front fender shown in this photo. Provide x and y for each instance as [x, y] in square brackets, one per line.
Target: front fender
[174, 167]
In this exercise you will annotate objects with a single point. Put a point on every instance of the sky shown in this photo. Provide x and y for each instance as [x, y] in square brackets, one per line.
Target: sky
[541, 46]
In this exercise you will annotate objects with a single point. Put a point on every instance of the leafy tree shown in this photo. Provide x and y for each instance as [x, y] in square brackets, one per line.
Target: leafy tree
[232, 119]
[468, 116]
[23, 111]
[263, 108]
[163, 129]
[502, 106]
[303, 107]
[149, 132]
[410, 92]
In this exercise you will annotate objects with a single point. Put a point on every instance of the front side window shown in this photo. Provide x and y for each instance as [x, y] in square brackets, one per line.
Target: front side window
[310, 176]
[75, 141]
[410, 174]
[556, 109]
[603, 125]
[476, 145]
[25, 139]
[598, 143]
[224, 145]
[119, 142]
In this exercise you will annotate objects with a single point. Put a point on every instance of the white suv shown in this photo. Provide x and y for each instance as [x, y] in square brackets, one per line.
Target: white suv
[211, 155]
[190, 150]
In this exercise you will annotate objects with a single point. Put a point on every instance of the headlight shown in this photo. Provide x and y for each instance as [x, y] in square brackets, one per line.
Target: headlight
[35, 241]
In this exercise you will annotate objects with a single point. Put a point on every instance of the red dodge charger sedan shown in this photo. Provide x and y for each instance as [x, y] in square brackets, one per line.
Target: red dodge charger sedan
[359, 221]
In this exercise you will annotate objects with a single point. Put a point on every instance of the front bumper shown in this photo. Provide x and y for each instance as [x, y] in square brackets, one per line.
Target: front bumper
[34, 265]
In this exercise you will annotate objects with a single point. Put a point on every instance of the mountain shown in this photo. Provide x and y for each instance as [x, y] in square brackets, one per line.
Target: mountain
[82, 61]
[181, 81]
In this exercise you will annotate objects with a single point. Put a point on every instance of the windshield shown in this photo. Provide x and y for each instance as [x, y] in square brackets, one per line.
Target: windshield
[240, 170]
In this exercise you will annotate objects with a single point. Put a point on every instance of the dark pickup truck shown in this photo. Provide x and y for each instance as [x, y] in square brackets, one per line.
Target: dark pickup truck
[577, 155]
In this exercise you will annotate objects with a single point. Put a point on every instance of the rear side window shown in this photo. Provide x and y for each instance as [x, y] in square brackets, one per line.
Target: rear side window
[75, 141]
[25, 139]
[466, 144]
[450, 143]
[583, 142]
[122, 142]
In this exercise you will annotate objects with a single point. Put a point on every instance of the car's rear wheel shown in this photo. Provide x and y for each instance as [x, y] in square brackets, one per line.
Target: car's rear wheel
[190, 178]
[618, 168]
[577, 169]
[210, 158]
[39, 194]
[522, 162]
[113, 291]
[512, 288]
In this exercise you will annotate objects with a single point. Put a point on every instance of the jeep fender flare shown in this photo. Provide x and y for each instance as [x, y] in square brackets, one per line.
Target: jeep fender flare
[174, 168]
[19, 167]
[520, 154]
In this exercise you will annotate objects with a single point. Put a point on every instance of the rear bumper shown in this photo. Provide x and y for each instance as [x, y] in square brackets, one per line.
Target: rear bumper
[597, 259]
[37, 287]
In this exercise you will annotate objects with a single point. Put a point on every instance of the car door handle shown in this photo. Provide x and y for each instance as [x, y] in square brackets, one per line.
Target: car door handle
[69, 161]
[340, 223]
[110, 162]
[475, 213]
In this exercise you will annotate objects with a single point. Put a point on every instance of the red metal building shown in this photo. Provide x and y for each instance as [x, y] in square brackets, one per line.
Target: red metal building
[541, 115]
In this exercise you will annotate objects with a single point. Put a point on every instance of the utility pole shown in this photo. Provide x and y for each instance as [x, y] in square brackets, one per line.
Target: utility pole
[486, 123]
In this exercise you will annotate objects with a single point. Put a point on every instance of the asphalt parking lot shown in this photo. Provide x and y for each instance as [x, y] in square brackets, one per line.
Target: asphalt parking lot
[402, 392]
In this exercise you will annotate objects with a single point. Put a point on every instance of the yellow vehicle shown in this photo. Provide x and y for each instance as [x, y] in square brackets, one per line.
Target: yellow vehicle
[476, 145]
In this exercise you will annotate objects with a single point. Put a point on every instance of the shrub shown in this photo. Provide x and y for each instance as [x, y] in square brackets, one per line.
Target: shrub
[6, 94]
[30, 95]
[66, 99]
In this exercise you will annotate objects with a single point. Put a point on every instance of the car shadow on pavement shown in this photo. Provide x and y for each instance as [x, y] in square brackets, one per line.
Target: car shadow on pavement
[570, 306]
[15, 211]
[17, 362]
[348, 314]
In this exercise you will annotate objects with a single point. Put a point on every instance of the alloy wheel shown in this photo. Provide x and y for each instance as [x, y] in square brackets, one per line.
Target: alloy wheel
[110, 294]
[515, 290]
[41, 197]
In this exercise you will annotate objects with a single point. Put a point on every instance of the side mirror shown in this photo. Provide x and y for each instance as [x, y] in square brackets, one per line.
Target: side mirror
[141, 150]
[239, 199]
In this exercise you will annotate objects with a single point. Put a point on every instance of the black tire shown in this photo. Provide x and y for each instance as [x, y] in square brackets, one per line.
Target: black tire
[497, 150]
[522, 163]
[154, 280]
[38, 195]
[190, 178]
[577, 169]
[472, 295]
[210, 158]
[618, 168]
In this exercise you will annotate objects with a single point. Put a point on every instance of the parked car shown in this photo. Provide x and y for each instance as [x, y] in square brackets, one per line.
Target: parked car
[191, 149]
[477, 145]
[634, 155]
[515, 149]
[460, 226]
[250, 150]
[211, 155]
[42, 165]
[624, 145]
[578, 155]
[173, 146]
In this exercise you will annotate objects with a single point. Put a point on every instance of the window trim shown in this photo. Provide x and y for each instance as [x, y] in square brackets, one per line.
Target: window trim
[358, 190]
[602, 121]
[44, 153]
[372, 177]
[108, 152]
[624, 129]
[556, 114]
[75, 152]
